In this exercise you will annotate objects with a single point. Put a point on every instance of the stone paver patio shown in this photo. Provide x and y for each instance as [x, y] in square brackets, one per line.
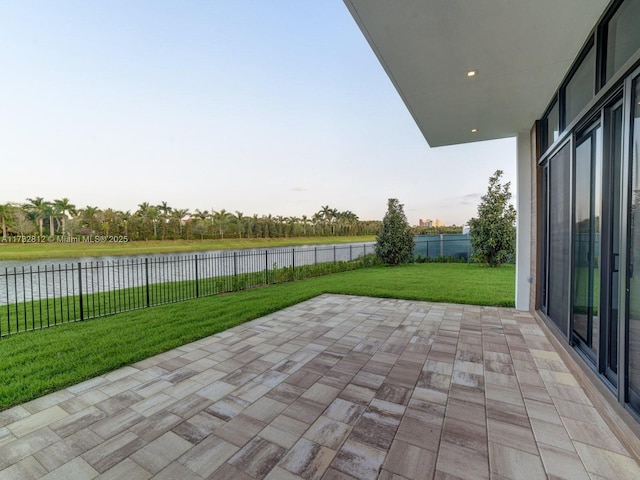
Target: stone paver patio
[337, 387]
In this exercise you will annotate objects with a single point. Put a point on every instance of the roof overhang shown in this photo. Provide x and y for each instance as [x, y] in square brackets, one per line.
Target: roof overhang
[520, 49]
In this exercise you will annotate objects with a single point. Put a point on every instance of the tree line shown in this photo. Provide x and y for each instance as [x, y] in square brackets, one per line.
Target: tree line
[162, 222]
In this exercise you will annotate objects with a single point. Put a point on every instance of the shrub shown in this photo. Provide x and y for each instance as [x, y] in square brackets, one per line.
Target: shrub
[493, 235]
[394, 240]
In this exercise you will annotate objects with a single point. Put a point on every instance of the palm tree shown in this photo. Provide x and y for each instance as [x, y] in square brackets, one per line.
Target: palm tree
[63, 207]
[349, 219]
[240, 221]
[328, 215]
[267, 224]
[125, 216]
[6, 211]
[88, 215]
[280, 225]
[200, 227]
[153, 215]
[292, 224]
[221, 219]
[305, 221]
[148, 214]
[316, 220]
[333, 219]
[39, 210]
[179, 214]
[163, 215]
[201, 215]
[164, 209]
[109, 219]
[254, 221]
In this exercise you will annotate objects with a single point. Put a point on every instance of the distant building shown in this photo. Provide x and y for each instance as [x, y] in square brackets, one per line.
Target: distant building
[426, 223]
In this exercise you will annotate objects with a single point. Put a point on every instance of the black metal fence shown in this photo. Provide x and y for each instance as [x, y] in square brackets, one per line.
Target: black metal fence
[41, 296]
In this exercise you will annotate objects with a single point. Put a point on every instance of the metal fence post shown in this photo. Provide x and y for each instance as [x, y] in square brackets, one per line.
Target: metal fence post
[334, 254]
[146, 275]
[197, 280]
[80, 290]
[293, 258]
[235, 263]
[350, 252]
[266, 267]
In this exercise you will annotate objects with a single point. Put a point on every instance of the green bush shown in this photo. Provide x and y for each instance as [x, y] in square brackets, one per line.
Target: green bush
[493, 234]
[394, 242]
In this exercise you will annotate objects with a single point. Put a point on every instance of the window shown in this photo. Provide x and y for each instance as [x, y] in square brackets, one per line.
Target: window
[559, 231]
[580, 88]
[622, 36]
[633, 332]
[586, 248]
[551, 126]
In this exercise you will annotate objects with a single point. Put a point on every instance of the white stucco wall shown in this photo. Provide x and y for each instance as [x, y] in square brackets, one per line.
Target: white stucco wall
[523, 224]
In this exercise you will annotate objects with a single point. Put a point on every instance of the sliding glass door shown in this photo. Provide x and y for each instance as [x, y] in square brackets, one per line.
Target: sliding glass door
[611, 228]
[586, 244]
[632, 333]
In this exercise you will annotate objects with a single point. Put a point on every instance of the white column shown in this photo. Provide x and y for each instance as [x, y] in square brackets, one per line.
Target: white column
[523, 223]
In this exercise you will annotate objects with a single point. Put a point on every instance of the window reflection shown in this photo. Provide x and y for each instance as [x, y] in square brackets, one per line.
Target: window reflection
[588, 209]
[634, 257]
[623, 36]
[579, 90]
[553, 125]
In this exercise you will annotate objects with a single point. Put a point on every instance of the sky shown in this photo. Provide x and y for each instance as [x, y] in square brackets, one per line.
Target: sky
[263, 107]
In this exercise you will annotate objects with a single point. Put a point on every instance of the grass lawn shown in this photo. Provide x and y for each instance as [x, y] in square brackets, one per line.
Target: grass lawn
[35, 363]
[35, 251]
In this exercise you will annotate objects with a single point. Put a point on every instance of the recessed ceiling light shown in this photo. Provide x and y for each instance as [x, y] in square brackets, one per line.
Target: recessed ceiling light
[472, 73]
[474, 130]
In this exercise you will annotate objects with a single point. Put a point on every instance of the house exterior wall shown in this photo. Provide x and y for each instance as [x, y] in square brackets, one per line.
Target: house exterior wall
[585, 179]
[533, 216]
[524, 222]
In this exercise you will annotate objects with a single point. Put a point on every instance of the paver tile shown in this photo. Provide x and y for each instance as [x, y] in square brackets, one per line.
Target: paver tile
[607, 464]
[338, 388]
[410, 461]
[358, 460]
[37, 421]
[257, 457]
[156, 455]
[328, 432]
[125, 469]
[76, 468]
[207, 456]
[308, 459]
[26, 469]
[515, 464]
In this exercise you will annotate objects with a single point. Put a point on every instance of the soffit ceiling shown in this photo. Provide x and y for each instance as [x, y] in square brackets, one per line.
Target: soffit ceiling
[521, 50]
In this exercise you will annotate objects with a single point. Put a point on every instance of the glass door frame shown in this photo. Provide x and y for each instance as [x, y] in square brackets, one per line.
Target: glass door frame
[611, 261]
[625, 241]
[589, 133]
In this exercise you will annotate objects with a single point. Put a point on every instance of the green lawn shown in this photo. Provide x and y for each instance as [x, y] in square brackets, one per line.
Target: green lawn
[53, 249]
[35, 363]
